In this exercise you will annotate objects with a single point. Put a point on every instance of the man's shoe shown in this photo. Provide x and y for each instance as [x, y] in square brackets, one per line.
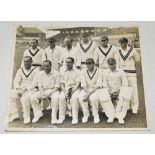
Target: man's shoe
[54, 121]
[26, 120]
[13, 117]
[96, 119]
[74, 121]
[121, 121]
[60, 121]
[110, 120]
[36, 119]
[85, 119]
[134, 111]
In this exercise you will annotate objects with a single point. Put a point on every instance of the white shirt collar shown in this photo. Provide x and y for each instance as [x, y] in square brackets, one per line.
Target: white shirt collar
[34, 49]
[116, 70]
[32, 67]
[47, 74]
[69, 70]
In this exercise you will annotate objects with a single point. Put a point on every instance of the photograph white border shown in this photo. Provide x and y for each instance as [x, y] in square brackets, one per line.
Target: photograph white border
[78, 24]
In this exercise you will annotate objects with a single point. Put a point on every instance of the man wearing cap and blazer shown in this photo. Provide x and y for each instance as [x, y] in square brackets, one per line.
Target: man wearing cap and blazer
[52, 53]
[103, 52]
[127, 59]
[85, 48]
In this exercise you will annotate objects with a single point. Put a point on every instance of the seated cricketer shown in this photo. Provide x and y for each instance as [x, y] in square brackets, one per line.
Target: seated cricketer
[22, 85]
[68, 98]
[90, 83]
[116, 81]
[48, 86]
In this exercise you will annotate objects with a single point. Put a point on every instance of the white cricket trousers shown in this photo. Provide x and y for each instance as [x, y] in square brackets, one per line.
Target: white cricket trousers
[84, 105]
[105, 102]
[121, 108]
[26, 104]
[35, 100]
[132, 82]
[13, 104]
[15, 99]
[123, 102]
[74, 105]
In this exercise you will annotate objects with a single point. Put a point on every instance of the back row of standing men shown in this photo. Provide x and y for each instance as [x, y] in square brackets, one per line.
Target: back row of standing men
[80, 80]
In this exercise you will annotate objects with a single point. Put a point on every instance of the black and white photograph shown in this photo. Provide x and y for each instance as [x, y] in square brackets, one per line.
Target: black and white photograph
[76, 78]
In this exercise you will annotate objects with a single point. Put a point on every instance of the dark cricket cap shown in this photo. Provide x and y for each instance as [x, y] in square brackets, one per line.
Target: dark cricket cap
[103, 38]
[52, 39]
[90, 60]
[111, 61]
[123, 40]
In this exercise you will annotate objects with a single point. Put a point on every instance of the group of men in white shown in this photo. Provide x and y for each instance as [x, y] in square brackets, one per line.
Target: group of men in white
[84, 77]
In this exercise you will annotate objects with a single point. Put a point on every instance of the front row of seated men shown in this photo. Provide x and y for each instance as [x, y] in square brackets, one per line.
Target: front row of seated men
[70, 90]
